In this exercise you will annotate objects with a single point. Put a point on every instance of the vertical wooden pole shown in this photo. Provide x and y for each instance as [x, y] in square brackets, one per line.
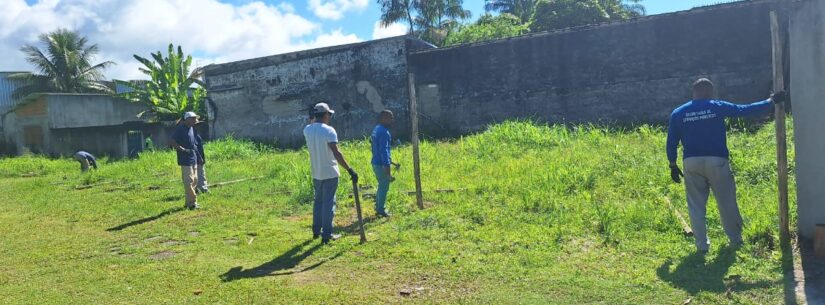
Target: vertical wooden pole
[419, 196]
[781, 141]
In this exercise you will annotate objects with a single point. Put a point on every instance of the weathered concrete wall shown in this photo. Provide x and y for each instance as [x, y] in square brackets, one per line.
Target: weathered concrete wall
[630, 72]
[807, 56]
[267, 99]
[61, 124]
[89, 110]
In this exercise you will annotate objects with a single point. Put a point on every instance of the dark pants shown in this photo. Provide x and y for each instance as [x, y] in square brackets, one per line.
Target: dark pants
[323, 209]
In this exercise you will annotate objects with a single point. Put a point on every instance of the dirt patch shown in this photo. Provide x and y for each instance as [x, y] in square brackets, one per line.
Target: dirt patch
[162, 255]
[231, 240]
[170, 243]
[153, 238]
[194, 234]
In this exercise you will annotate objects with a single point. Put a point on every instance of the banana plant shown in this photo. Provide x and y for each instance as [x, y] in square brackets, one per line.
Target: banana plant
[171, 89]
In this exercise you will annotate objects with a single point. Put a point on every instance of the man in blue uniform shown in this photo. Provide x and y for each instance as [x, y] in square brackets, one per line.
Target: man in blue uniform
[184, 142]
[382, 159]
[699, 125]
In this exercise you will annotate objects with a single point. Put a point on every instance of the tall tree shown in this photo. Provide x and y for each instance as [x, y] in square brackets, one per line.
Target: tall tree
[436, 19]
[431, 20]
[393, 11]
[557, 14]
[64, 67]
[171, 89]
[488, 27]
[523, 9]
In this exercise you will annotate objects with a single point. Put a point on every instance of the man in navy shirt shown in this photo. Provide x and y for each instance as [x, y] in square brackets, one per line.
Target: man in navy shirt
[700, 126]
[185, 143]
[85, 160]
[382, 159]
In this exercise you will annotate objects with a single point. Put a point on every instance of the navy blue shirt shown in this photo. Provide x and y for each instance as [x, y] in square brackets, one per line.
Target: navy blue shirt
[185, 136]
[201, 155]
[700, 126]
[381, 140]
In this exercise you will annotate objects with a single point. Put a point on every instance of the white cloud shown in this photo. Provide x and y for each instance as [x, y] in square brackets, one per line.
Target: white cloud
[395, 29]
[335, 9]
[210, 30]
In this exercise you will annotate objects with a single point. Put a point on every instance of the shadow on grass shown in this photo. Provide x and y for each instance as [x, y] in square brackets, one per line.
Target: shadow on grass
[147, 219]
[282, 265]
[694, 274]
[286, 263]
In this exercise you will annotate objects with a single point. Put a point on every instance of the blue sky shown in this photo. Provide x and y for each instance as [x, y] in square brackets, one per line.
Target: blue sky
[213, 31]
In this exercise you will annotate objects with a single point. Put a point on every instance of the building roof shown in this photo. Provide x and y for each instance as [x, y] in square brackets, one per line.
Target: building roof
[7, 87]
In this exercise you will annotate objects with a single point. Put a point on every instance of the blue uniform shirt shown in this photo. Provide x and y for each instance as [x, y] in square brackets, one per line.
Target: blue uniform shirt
[700, 126]
[185, 136]
[381, 140]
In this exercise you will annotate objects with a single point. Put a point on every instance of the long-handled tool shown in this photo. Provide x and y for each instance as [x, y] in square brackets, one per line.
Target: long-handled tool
[358, 211]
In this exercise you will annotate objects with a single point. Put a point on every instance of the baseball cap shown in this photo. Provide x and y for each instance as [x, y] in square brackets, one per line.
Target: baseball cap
[323, 108]
[190, 114]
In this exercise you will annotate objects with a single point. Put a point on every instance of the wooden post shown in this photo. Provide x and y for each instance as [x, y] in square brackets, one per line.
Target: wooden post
[419, 196]
[781, 141]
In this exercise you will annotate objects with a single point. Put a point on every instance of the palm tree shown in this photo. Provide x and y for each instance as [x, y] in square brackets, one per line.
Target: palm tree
[393, 11]
[431, 20]
[65, 66]
[520, 8]
[437, 18]
[635, 8]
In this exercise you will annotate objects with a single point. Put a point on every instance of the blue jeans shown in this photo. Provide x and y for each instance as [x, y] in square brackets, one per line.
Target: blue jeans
[383, 187]
[323, 210]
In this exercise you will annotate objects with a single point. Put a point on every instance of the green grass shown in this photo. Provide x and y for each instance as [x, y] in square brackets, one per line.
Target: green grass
[541, 215]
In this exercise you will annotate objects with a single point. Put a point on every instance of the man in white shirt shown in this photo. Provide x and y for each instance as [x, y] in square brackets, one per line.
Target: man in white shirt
[322, 143]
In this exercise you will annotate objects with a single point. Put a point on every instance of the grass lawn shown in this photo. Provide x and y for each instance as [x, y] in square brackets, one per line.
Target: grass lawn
[540, 215]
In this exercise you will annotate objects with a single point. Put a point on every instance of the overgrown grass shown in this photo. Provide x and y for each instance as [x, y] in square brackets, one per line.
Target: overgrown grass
[538, 214]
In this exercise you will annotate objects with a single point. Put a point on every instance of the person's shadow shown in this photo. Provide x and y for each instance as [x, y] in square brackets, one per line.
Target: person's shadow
[288, 262]
[694, 274]
[282, 265]
[145, 220]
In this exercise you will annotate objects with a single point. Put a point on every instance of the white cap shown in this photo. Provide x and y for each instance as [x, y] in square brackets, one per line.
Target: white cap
[323, 108]
[190, 114]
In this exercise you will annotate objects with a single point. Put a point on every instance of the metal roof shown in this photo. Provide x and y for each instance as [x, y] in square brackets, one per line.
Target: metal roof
[7, 87]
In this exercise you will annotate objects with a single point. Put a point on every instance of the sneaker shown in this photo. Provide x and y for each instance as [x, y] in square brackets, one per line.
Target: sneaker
[382, 214]
[333, 237]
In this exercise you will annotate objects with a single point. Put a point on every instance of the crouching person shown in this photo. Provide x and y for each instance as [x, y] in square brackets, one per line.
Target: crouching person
[86, 159]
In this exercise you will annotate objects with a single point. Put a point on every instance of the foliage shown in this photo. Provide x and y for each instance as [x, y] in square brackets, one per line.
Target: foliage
[66, 66]
[523, 9]
[539, 215]
[169, 92]
[558, 14]
[488, 27]
[430, 20]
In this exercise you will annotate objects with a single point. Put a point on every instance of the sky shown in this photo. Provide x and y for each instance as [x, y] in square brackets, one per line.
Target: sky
[213, 31]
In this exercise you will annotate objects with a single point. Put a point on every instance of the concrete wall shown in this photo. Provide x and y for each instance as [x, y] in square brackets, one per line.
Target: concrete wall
[60, 124]
[630, 72]
[807, 56]
[267, 99]
[88, 110]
